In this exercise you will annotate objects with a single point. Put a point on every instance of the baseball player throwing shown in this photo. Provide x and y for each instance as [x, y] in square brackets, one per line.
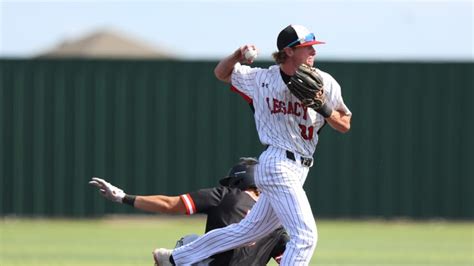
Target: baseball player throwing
[288, 127]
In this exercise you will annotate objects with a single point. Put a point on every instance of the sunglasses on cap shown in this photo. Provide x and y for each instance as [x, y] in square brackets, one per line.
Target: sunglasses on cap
[308, 38]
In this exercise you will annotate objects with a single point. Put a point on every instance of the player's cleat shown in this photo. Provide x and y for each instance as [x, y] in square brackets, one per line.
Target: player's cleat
[162, 257]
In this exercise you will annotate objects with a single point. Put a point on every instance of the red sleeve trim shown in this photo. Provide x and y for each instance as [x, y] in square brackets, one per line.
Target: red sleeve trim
[189, 204]
[246, 98]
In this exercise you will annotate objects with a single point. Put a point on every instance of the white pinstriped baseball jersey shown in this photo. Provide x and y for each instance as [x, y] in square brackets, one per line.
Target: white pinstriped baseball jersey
[280, 118]
[284, 125]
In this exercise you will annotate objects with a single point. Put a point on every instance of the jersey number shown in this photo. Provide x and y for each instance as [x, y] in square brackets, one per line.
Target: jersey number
[307, 133]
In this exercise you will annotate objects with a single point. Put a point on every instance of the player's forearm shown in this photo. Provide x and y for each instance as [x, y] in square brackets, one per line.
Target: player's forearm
[159, 203]
[339, 121]
[224, 68]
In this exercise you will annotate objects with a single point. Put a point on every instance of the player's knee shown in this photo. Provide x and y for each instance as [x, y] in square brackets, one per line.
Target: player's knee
[315, 235]
[314, 240]
[309, 240]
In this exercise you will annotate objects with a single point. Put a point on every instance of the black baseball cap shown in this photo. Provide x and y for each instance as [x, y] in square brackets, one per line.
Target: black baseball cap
[296, 36]
[240, 176]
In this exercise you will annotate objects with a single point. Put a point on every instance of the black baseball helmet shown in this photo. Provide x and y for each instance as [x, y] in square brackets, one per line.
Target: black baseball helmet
[241, 175]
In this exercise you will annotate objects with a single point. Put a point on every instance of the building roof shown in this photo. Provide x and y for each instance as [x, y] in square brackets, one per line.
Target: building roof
[106, 44]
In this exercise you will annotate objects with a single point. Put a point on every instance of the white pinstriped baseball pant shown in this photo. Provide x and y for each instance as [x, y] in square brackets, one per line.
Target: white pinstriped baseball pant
[282, 201]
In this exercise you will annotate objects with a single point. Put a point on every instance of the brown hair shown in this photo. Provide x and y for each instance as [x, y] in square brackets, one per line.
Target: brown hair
[280, 56]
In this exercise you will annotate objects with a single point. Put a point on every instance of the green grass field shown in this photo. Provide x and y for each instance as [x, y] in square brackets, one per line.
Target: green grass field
[129, 241]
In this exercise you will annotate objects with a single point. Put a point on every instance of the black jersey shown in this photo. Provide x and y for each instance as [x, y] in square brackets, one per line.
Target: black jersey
[225, 206]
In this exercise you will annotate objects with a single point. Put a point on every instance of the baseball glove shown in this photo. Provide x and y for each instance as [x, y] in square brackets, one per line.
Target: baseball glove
[307, 85]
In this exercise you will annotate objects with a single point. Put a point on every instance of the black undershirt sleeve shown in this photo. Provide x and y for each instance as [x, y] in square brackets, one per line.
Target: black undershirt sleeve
[205, 199]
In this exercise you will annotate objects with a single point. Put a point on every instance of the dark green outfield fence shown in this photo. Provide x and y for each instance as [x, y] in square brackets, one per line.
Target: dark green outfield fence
[171, 127]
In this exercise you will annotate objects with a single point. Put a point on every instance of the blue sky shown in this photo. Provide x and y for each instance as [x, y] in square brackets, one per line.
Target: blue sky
[353, 30]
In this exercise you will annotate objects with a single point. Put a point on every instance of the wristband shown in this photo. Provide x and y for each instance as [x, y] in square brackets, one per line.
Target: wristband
[325, 110]
[129, 199]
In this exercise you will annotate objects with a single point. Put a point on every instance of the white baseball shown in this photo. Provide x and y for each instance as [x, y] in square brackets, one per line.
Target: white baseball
[251, 54]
